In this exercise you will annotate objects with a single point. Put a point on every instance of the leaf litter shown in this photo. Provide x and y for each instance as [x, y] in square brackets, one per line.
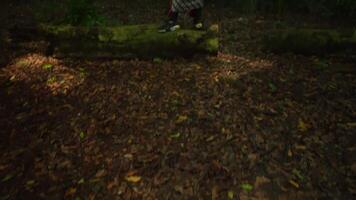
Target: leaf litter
[178, 129]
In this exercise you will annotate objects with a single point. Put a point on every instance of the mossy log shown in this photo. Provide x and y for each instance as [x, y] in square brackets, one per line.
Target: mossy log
[142, 41]
[309, 41]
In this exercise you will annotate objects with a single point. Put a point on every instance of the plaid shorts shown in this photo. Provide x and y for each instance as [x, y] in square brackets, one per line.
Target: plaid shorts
[186, 5]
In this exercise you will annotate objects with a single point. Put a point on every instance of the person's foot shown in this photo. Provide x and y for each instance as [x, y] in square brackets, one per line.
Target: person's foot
[199, 26]
[168, 27]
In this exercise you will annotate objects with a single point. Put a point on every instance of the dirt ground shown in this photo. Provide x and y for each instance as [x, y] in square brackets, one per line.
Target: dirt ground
[244, 125]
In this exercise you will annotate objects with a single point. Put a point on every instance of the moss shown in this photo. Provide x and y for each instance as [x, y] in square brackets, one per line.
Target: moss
[137, 40]
[306, 41]
[211, 45]
[65, 31]
[353, 37]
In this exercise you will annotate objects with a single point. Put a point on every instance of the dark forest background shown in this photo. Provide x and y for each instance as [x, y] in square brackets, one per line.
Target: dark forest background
[92, 12]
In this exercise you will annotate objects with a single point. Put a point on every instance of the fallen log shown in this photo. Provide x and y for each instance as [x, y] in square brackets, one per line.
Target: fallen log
[309, 41]
[138, 41]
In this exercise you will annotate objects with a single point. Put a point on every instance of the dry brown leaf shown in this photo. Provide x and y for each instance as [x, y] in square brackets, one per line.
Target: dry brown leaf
[131, 173]
[300, 147]
[65, 164]
[230, 194]
[128, 156]
[179, 189]
[302, 126]
[111, 184]
[211, 138]
[252, 157]
[133, 179]
[71, 191]
[91, 196]
[352, 124]
[290, 154]
[295, 184]
[260, 181]
[181, 119]
[214, 193]
[100, 173]
[353, 168]
[160, 178]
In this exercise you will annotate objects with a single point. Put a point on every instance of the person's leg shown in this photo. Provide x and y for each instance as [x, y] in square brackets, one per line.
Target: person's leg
[173, 17]
[196, 14]
[171, 23]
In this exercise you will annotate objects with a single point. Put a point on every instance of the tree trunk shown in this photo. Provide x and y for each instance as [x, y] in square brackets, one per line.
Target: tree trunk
[142, 41]
[310, 41]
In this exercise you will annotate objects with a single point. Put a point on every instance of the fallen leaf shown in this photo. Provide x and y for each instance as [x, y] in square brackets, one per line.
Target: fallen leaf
[175, 93]
[128, 156]
[230, 194]
[82, 135]
[261, 180]
[189, 191]
[65, 164]
[51, 80]
[30, 182]
[160, 179]
[214, 193]
[211, 138]
[71, 191]
[91, 196]
[252, 157]
[290, 154]
[302, 126]
[214, 28]
[295, 184]
[181, 119]
[81, 181]
[298, 174]
[179, 189]
[47, 66]
[353, 168]
[272, 87]
[7, 177]
[300, 147]
[94, 180]
[177, 135]
[353, 124]
[111, 184]
[157, 60]
[133, 179]
[131, 173]
[100, 173]
[247, 187]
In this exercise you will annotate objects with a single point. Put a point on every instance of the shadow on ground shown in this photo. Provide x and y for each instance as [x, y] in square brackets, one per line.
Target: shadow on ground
[225, 127]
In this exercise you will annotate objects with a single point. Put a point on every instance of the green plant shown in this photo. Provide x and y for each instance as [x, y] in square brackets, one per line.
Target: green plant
[83, 12]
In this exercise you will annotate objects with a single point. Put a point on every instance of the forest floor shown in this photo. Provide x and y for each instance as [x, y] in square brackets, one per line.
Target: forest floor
[243, 125]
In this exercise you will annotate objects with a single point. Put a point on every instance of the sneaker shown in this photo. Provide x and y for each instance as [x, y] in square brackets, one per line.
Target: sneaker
[199, 26]
[168, 27]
